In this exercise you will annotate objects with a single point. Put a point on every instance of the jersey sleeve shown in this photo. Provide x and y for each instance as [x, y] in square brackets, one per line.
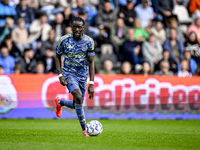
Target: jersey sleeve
[91, 48]
[59, 47]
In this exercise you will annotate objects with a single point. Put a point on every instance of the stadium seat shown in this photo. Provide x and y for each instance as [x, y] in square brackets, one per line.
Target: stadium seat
[182, 14]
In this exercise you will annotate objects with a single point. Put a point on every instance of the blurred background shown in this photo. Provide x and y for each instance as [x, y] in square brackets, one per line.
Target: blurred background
[131, 36]
[143, 50]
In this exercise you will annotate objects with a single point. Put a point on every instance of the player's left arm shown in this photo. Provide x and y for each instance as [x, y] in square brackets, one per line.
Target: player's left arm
[91, 73]
[91, 54]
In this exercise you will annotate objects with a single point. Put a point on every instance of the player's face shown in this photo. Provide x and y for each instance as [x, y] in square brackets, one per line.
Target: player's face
[77, 29]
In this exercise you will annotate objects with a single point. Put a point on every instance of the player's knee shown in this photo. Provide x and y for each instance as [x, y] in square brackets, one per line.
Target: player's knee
[79, 99]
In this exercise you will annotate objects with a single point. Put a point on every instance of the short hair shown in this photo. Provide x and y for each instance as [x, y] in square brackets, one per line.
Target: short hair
[27, 49]
[164, 61]
[152, 34]
[185, 51]
[17, 67]
[1, 66]
[81, 13]
[195, 20]
[8, 37]
[3, 47]
[49, 48]
[165, 50]
[147, 63]
[20, 20]
[42, 14]
[172, 19]
[184, 59]
[40, 63]
[9, 20]
[77, 19]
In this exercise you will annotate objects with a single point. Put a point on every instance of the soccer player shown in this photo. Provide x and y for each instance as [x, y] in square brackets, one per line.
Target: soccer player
[78, 50]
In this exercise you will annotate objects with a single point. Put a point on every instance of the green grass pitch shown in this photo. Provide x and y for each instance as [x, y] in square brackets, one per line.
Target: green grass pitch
[60, 134]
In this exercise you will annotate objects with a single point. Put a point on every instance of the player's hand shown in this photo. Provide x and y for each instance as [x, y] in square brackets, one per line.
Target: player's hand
[62, 81]
[91, 91]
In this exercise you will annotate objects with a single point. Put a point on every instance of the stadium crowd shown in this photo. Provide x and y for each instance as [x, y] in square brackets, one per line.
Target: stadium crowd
[160, 37]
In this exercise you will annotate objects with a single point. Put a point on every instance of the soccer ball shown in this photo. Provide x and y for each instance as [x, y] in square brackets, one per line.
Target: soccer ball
[94, 128]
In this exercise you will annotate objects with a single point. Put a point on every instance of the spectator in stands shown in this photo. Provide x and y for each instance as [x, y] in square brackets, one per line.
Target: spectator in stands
[183, 72]
[89, 30]
[39, 30]
[48, 7]
[25, 12]
[107, 16]
[126, 68]
[1, 69]
[49, 61]
[6, 11]
[194, 8]
[195, 28]
[34, 4]
[114, 4]
[17, 69]
[174, 46]
[46, 44]
[192, 65]
[95, 3]
[159, 32]
[107, 54]
[28, 62]
[6, 60]
[174, 24]
[13, 2]
[107, 68]
[164, 69]
[118, 36]
[146, 69]
[59, 26]
[145, 14]
[166, 57]
[62, 4]
[103, 37]
[86, 26]
[12, 48]
[153, 4]
[44, 3]
[165, 7]
[124, 2]
[152, 51]
[140, 34]
[20, 35]
[128, 13]
[131, 49]
[67, 16]
[68, 29]
[193, 46]
[39, 68]
[81, 7]
[156, 14]
[5, 30]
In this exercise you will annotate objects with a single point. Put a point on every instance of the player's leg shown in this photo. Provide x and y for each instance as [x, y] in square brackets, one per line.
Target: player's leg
[67, 103]
[78, 99]
[60, 103]
[72, 84]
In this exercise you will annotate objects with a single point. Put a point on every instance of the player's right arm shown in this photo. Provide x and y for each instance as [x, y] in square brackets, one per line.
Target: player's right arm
[59, 52]
[59, 69]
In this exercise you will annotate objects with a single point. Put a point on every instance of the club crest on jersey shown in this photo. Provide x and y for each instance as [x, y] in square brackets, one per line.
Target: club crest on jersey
[84, 47]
